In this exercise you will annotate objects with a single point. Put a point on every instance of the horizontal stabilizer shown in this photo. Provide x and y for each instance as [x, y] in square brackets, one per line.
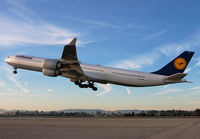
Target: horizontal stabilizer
[176, 77]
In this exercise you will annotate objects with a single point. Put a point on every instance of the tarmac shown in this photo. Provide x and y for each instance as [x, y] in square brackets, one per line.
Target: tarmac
[99, 128]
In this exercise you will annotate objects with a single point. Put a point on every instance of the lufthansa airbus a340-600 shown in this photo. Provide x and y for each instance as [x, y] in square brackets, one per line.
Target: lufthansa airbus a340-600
[85, 75]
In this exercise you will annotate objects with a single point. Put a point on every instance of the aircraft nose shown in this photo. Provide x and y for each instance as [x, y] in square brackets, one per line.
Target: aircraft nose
[6, 60]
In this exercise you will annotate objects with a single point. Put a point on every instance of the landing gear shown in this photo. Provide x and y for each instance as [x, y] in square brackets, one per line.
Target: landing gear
[15, 71]
[94, 88]
[89, 85]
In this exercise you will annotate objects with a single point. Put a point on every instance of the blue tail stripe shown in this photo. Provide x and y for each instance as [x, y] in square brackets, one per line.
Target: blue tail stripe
[170, 68]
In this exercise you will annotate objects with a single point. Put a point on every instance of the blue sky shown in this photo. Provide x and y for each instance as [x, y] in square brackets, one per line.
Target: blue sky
[134, 34]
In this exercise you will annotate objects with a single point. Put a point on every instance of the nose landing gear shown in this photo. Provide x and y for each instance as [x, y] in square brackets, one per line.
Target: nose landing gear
[15, 71]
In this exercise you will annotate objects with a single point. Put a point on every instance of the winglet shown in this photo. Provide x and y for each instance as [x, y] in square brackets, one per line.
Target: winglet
[73, 42]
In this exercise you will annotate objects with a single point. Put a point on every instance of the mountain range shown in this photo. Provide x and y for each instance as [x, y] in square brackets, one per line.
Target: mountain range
[2, 111]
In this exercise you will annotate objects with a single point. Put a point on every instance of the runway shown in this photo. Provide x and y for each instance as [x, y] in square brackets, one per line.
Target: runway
[99, 128]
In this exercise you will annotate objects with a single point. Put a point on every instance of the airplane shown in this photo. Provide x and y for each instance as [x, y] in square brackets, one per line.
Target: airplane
[85, 75]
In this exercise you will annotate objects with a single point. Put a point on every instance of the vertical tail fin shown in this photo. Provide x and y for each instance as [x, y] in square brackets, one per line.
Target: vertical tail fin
[178, 65]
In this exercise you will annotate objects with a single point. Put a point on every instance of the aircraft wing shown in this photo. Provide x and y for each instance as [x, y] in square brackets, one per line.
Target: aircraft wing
[71, 65]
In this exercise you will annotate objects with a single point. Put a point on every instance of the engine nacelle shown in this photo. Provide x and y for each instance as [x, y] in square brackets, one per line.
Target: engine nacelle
[51, 64]
[51, 73]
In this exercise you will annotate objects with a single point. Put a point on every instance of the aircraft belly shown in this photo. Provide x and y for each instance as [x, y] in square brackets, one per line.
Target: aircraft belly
[133, 81]
[94, 75]
[28, 65]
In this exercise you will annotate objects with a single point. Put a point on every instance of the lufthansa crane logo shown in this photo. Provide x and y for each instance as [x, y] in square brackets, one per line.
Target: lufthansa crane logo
[180, 63]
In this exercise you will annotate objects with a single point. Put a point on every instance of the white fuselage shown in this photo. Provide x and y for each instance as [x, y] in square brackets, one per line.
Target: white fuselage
[95, 72]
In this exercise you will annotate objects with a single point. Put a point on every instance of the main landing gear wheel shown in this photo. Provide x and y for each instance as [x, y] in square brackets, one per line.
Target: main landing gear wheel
[89, 85]
[94, 89]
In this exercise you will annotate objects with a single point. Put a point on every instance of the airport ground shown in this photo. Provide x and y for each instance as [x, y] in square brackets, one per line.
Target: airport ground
[99, 128]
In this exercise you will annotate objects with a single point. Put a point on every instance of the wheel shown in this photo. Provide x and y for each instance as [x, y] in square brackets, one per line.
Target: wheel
[81, 86]
[85, 86]
[91, 85]
[14, 72]
[76, 82]
[94, 89]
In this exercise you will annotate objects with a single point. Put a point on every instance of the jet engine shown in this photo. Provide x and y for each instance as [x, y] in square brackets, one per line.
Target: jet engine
[52, 64]
[51, 73]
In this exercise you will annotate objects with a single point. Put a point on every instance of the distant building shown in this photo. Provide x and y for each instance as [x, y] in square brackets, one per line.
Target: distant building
[11, 114]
